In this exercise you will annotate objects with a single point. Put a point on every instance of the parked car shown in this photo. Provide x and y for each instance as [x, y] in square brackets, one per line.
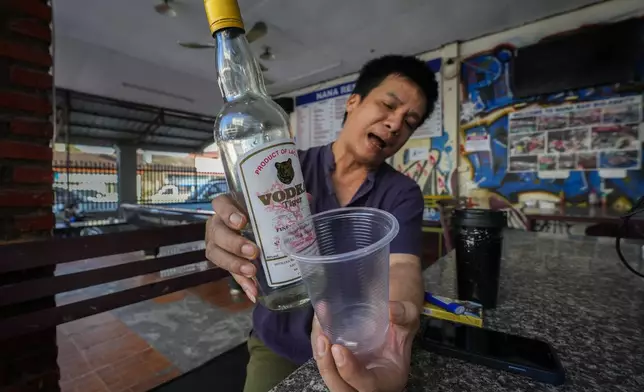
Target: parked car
[86, 200]
[63, 198]
[168, 194]
[208, 191]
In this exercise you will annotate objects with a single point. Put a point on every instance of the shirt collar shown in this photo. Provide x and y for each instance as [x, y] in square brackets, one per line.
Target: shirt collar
[328, 161]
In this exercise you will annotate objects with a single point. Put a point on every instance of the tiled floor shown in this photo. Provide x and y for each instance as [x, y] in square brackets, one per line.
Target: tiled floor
[138, 347]
[100, 353]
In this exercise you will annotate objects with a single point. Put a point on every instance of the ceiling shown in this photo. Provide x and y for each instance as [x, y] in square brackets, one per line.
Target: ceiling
[312, 40]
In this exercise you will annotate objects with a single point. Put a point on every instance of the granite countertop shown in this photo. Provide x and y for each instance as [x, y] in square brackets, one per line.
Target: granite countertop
[572, 292]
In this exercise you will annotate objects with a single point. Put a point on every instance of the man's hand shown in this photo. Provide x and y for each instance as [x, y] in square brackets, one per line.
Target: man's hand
[226, 247]
[343, 373]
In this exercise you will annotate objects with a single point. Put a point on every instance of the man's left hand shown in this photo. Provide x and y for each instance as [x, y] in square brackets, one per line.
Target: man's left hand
[342, 372]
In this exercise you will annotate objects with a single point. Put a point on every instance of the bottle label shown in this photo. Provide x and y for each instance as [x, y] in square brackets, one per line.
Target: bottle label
[273, 188]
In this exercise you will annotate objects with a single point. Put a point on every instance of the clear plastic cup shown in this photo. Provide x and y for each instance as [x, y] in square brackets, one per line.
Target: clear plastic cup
[343, 255]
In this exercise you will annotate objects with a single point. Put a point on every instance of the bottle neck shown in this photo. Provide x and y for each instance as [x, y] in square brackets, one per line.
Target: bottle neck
[238, 72]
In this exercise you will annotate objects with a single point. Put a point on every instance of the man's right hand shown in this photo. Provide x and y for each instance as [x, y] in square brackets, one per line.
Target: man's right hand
[226, 247]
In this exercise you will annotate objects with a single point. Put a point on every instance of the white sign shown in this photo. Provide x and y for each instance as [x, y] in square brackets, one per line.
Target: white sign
[417, 154]
[433, 126]
[475, 143]
[320, 114]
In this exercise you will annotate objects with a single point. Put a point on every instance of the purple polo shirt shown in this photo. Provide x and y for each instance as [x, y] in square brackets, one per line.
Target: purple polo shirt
[288, 334]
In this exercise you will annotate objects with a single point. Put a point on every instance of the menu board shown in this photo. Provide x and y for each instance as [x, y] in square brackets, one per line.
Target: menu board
[433, 126]
[319, 114]
[585, 136]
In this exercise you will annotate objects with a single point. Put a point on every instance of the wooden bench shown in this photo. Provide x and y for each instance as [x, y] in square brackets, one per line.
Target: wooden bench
[18, 318]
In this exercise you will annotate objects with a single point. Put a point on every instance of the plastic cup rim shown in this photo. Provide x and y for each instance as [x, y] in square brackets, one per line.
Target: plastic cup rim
[347, 255]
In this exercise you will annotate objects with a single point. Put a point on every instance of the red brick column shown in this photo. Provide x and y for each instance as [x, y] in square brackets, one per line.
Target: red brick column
[27, 363]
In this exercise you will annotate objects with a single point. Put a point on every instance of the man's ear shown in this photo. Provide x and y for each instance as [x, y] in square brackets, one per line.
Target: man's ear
[353, 102]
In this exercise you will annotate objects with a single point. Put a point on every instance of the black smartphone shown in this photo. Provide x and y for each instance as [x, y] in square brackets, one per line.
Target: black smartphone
[530, 357]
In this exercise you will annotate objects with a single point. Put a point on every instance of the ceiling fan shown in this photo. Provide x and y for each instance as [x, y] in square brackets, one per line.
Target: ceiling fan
[256, 32]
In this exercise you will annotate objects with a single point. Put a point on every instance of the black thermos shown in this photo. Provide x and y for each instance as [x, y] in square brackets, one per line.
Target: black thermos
[478, 240]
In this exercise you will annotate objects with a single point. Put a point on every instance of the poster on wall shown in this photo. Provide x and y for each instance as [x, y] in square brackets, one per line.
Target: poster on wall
[320, 113]
[585, 136]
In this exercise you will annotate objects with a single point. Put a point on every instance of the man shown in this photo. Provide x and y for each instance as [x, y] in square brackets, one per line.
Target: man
[393, 96]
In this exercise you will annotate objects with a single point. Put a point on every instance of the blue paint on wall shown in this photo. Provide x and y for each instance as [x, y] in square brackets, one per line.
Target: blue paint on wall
[485, 82]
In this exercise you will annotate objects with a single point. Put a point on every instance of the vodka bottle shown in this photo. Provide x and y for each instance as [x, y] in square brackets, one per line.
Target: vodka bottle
[260, 158]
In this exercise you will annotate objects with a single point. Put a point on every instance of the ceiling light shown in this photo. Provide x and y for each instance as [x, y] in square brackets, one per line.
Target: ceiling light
[267, 54]
[165, 9]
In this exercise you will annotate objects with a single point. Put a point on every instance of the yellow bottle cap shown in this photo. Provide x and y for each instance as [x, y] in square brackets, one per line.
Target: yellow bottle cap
[223, 14]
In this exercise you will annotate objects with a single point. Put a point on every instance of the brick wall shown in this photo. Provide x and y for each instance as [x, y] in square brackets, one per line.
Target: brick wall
[27, 363]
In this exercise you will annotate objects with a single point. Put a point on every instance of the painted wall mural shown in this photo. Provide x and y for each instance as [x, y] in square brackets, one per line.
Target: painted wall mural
[433, 171]
[429, 157]
[486, 105]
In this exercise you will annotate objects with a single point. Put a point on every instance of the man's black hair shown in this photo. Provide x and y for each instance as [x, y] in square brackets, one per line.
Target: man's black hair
[409, 67]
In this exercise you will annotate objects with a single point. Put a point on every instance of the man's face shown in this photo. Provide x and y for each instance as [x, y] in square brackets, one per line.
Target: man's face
[378, 125]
